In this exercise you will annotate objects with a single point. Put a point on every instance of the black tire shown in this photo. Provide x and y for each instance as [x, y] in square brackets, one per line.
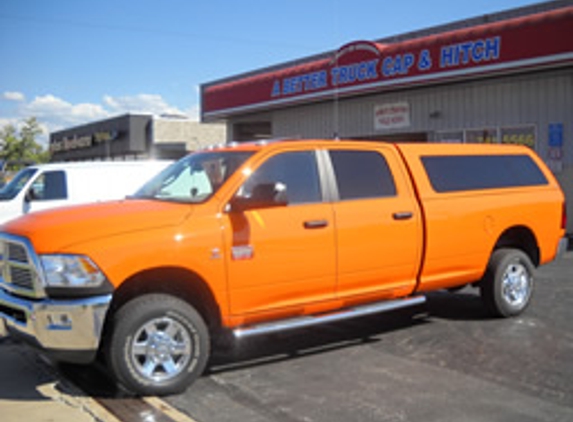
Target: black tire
[507, 286]
[159, 345]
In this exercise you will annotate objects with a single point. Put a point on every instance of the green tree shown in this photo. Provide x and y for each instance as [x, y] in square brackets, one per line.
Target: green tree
[20, 149]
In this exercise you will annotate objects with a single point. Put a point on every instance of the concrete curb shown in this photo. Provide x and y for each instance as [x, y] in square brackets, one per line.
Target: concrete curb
[30, 390]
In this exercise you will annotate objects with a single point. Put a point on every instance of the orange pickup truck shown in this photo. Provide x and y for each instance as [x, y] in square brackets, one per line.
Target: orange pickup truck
[257, 238]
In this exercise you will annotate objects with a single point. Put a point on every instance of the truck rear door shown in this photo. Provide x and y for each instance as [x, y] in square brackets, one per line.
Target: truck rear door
[378, 223]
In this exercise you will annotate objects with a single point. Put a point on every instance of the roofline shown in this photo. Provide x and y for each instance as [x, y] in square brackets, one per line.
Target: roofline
[95, 122]
[503, 15]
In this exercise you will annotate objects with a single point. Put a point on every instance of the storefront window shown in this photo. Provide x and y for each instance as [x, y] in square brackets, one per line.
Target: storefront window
[450, 137]
[520, 135]
[481, 136]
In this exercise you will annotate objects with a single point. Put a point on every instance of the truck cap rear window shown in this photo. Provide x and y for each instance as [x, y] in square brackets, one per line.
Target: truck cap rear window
[455, 173]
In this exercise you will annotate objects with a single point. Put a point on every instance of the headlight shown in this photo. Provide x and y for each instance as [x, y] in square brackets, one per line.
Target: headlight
[71, 271]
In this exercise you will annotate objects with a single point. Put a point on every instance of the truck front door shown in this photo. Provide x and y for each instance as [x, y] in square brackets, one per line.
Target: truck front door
[280, 258]
[48, 190]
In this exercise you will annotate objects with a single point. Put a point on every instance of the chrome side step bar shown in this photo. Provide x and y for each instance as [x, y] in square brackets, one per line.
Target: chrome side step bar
[307, 321]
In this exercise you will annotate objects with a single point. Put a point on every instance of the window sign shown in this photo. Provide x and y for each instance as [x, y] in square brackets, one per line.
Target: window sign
[555, 147]
[519, 135]
[556, 135]
[481, 136]
[392, 116]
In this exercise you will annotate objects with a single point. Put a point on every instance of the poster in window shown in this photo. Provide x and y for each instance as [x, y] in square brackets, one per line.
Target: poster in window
[481, 136]
[519, 135]
[391, 116]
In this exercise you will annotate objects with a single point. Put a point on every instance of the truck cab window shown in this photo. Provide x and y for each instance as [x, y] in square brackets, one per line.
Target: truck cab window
[298, 171]
[13, 188]
[50, 185]
[194, 178]
[362, 174]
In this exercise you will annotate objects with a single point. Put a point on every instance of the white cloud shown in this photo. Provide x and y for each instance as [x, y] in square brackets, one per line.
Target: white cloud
[55, 109]
[142, 103]
[13, 96]
[54, 113]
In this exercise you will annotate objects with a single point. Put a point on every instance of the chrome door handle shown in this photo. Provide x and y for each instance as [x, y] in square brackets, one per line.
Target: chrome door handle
[405, 215]
[315, 224]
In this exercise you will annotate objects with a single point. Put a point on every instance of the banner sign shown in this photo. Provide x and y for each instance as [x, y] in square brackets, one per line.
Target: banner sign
[362, 67]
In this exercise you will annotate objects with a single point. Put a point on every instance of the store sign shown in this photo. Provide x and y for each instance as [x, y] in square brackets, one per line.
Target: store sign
[364, 66]
[82, 141]
[365, 62]
[391, 116]
[69, 143]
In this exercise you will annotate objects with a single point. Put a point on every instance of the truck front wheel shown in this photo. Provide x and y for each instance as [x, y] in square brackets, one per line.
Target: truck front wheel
[507, 286]
[159, 345]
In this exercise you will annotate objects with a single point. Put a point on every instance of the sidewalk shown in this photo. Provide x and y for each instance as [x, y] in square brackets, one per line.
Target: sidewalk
[31, 391]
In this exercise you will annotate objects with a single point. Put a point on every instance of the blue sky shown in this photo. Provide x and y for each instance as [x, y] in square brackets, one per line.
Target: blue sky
[68, 62]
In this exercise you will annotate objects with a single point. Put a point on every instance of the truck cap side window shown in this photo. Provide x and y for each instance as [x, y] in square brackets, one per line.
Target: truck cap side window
[362, 174]
[472, 172]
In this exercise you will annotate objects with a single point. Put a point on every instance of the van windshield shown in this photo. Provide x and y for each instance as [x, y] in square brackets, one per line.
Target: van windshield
[13, 188]
[194, 178]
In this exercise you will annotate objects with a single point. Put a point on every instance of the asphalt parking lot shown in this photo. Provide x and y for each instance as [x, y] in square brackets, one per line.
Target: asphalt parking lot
[446, 362]
[453, 364]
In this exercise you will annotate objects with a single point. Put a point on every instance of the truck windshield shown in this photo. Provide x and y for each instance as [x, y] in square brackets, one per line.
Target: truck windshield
[194, 178]
[15, 185]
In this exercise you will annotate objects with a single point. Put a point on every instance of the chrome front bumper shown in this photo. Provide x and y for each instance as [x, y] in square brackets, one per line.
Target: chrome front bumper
[65, 327]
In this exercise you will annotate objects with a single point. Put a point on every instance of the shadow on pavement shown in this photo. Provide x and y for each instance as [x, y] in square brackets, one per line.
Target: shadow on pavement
[21, 375]
[247, 353]
[256, 351]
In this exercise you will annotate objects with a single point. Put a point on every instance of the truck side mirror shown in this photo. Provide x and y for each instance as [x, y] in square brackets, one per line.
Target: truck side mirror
[31, 195]
[264, 195]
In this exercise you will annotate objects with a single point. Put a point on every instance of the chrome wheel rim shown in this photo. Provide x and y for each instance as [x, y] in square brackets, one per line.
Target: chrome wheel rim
[516, 285]
[161, 349]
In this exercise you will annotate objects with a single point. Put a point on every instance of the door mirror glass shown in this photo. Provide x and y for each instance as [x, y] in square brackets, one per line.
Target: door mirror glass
[263, 195]
[32, 194]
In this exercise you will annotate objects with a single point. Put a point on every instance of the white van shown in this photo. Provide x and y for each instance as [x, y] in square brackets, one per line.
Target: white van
[45, 186]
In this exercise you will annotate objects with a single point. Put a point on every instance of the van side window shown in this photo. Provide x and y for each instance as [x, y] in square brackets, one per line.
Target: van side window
[473, 172]
[362, 174]
[49, 186]
[297, 170]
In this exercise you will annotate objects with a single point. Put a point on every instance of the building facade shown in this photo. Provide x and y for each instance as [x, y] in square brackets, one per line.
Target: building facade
[134, 137]
[502, 78]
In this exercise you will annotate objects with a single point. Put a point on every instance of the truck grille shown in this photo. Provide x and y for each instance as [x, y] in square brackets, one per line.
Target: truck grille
[17, 253]
[17, 270]
[22, 277]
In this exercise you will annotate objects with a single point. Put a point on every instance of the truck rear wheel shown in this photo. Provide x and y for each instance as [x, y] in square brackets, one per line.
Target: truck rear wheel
[507, 286]
[159, 345]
